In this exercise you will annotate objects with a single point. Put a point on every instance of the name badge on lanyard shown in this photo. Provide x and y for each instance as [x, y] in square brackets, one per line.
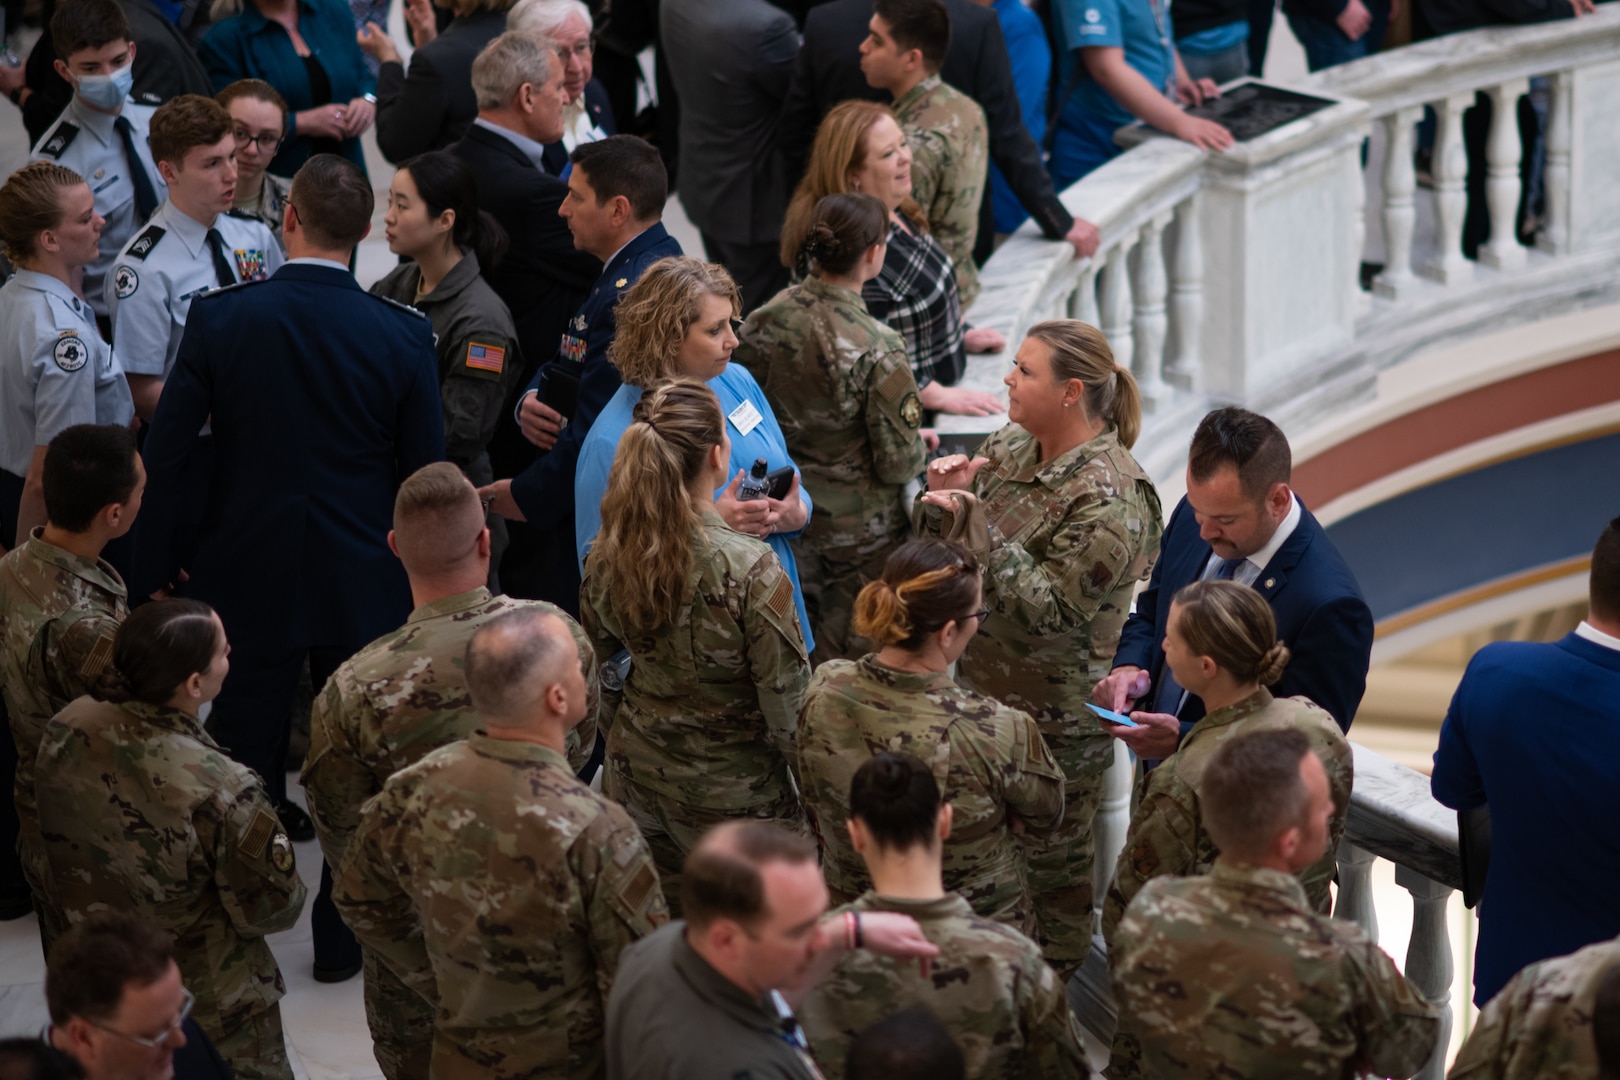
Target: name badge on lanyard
[745, 418]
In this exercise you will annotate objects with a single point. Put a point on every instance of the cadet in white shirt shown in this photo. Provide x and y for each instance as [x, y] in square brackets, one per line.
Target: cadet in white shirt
[55, 371]
[102, 134]
[192, 244]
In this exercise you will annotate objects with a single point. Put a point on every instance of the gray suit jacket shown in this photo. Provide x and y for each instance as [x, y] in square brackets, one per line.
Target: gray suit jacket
[731, 61]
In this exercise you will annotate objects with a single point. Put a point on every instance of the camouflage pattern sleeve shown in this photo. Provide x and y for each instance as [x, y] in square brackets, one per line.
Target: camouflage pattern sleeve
[1052, 1043]
[368, 894]
[1489, 1047]
[254, 870]
[474, 386]
[1060, 592]
[625, 903]
[776, 654]
[78, 649]
[928, 158]
[893, 415]
[604, 644]
[1161, 839]
[1034, 778]
[336, 781]
[1397, 1025]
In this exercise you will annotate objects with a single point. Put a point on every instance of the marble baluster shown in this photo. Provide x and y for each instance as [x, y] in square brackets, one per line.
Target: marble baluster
[1446, 263]
[1400, 215]
[1114, 299]
[1428, 957]
[1108, 827]
[1355, 902]
[1083, 301]
[1181, 362]
[1554, 238]
[1149, 287]
[1502, 187]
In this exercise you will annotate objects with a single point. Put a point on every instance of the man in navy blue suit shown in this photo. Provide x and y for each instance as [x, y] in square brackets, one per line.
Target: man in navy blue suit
[1240, 520]
[321, 398]
[616, 195]
[1534, 732]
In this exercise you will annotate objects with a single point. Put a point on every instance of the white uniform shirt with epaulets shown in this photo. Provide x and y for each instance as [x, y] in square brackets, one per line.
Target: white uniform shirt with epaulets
[85, 141]
[55, 371]
[163, 268]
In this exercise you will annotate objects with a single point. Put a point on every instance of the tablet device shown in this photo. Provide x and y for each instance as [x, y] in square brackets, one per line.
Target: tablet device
[1112, 717]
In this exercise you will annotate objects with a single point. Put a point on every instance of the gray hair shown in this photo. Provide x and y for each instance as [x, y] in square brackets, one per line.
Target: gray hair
[545, 17]
[506, 64]
[513, 660]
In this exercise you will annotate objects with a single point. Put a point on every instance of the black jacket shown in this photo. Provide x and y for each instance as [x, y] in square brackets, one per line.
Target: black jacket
[431, 106]
[1454, 16]
[1193, 16]
[829, 71]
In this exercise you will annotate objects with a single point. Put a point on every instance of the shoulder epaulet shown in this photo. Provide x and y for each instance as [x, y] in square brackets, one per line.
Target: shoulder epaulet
[396, 304]
[221, 290]
[144, 243]
[147, 97]
[60, 139]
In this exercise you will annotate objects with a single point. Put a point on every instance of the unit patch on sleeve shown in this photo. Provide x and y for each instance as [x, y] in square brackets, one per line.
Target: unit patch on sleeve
[70, 353]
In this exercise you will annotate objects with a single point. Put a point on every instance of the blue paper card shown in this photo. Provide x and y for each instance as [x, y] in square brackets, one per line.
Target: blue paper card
[1113, 717]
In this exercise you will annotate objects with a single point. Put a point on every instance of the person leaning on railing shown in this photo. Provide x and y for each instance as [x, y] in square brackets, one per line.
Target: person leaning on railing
[1065, 523]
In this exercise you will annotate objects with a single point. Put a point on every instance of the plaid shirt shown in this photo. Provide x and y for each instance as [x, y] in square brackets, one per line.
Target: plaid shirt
[915, 293]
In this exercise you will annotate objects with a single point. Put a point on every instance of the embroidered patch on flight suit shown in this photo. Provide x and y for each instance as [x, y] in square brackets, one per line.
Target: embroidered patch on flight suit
[781, 600]
[96, 659]
[259, 833]
[896, 385]
[125, 282]
[70, 353]
[491, 358]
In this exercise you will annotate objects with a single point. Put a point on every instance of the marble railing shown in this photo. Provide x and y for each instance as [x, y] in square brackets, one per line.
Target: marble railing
[1236, 277]
[1392, 816]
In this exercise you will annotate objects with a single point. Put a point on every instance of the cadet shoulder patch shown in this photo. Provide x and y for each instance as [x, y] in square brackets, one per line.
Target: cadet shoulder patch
[70, 353]
[125, 281]
[781, 598]
[144, 243]
[896, 384]
[95, 661]
[258, 834]
[482, 357]
[911, 410]
[60, 140]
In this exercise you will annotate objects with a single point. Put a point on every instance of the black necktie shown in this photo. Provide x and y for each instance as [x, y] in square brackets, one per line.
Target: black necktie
[222, 264]
[145, 196]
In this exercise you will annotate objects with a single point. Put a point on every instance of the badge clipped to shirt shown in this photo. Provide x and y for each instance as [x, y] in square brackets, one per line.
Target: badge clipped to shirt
[745, 417]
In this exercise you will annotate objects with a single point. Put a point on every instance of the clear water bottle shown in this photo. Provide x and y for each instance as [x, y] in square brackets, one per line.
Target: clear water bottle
[755, 485]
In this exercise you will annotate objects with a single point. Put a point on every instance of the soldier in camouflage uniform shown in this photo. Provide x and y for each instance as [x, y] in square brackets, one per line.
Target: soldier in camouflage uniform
[404, 696]
[843, 392]
[495, 883]
[989, 985]
[1166, 834]
[1232, 973]
[702, 729]
[1065, 523]
[141, 808]
[61, 604]
[1543, 1025]
[989, 759]
[946, 130]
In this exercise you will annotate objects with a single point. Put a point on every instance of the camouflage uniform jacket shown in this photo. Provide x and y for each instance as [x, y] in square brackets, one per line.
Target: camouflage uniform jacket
[708, 713]
[1233, 974]
[494, 883]
[989, 986]
[1069, 540]
[989, 760]
[60, 613]
[1166, 834]
[401, 698]
[950, 156]
[140, 807]
[843, 392]
[1539, 1027]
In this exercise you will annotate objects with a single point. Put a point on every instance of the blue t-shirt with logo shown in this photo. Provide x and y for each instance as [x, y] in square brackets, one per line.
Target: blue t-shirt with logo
[1084, 138]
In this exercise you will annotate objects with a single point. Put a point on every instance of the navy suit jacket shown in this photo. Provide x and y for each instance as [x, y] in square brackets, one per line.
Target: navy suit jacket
[1321, 616]
[322, 399]
[1534, 730]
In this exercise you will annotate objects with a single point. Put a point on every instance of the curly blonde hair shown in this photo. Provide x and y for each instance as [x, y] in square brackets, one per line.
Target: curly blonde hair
[654, 316]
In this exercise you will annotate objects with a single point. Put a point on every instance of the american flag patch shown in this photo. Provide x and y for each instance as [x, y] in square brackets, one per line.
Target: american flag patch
[486, 357]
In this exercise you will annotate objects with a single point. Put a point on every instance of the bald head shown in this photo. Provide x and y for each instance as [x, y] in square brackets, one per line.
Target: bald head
[439, 524]
[521, 667]
[721, 878]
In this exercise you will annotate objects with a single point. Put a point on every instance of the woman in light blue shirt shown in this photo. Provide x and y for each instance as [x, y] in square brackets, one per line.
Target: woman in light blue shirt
[678, 319]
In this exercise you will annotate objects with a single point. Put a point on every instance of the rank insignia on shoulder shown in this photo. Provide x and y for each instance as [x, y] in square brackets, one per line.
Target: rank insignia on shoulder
[70, 353]
[621, 283]
[281, 853]
[486, 357]
[60, 140]
[144, 243]
[125, 282]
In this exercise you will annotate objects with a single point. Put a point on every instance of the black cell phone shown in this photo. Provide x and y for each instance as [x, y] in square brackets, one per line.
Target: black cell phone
[559, 388]
[781, 482]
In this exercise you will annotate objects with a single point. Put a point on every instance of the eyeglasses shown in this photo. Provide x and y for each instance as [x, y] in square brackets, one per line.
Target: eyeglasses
[157, 1042]
[580, 51]
[979, 615]
[266, 142]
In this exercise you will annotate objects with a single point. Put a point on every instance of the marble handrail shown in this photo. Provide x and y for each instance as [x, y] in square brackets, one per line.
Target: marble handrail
[1393, 816]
